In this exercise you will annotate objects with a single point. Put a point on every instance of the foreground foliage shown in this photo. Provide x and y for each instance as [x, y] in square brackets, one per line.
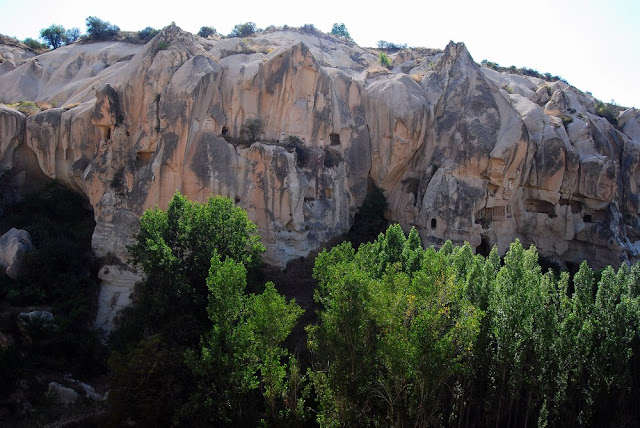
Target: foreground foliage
[216, 348]
[408, 336]
[404, 335]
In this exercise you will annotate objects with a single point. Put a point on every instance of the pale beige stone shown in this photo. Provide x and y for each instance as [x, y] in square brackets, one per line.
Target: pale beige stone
[462, 152]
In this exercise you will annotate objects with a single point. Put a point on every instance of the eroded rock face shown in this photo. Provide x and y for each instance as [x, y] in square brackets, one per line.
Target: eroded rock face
[12, 53]
[463, 152]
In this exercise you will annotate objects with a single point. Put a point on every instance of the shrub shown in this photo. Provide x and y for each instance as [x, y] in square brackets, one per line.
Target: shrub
[566, 119]
[250, 130]
[147, 33]
[309, 28]
[608, 111]
[207, 31]
[34, 44]
[25, 107]
[302, 153]
[244, 30]
[98, 29]
[391, 46]
[340, 30]
[384, 60]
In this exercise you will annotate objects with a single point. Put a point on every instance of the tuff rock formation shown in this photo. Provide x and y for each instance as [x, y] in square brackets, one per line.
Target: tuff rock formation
[462, 152]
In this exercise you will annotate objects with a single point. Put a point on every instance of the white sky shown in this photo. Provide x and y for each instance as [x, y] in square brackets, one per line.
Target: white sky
[594, 44]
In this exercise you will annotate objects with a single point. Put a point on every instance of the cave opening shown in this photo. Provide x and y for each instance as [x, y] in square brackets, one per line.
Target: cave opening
[433, 223]
[484, 248]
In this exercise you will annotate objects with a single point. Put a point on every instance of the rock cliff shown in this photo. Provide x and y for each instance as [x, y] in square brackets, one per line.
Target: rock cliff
[463, 152]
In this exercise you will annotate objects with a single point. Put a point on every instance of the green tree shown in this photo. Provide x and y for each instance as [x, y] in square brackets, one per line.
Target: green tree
[174, 250]
[395, 329]
[206, 32]
[34, 44]
[147, 33]
[98, 29]
[340, 30]
[54, 35]
[168, 312]
[71, 35]
[244, 30]
[242, 355]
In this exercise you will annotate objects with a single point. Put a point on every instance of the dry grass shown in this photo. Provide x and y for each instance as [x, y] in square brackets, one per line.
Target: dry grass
[377, 70]
[27, 108]
[418, 76]
[70, 106]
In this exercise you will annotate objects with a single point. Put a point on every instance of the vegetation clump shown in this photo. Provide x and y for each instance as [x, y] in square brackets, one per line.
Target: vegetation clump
[408, 336]
[147, 33]
[98, 29]
[302, 153]
[207, 31]
[27, 108]
[340, 30]
[251, 129]
[523, 71]
[609, 111]
[56, 36]
[391, 46]
[193, 314]
[244, 30]
[384, 60]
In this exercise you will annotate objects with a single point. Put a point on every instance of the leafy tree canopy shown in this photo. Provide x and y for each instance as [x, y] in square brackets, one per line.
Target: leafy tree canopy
[98, 29]
[340, 30]
[207, 31]
[244, 30]
[54, 36]
[147, 33]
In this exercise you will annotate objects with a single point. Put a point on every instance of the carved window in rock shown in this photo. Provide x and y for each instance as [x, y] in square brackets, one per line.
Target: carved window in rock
[433, 223]
[334, 139]
[492, 213]
[225, 130]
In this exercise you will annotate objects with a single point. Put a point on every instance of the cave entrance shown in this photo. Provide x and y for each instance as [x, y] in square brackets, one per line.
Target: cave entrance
[334, 139]
[225, 130]
[433, 223]
[484, 248]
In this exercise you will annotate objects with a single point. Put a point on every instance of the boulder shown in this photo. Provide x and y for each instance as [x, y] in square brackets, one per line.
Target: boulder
[14, 247]
[62, 394]
[44, 317]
